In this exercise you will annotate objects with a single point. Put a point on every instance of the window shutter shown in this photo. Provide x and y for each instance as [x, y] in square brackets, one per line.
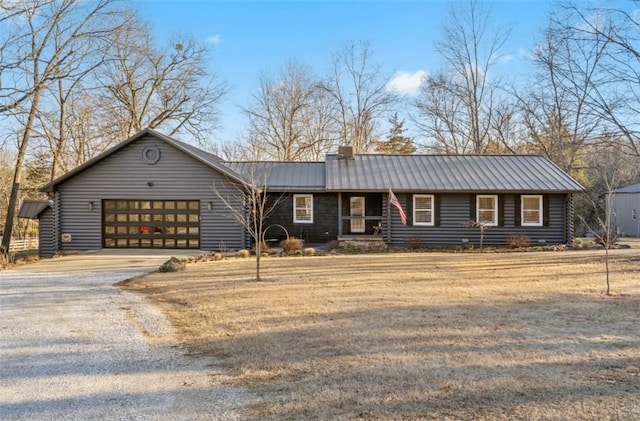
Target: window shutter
[436, 210]
[409, 209]
[501, 210]
[518, 209]
[472, 207]
[545, 210]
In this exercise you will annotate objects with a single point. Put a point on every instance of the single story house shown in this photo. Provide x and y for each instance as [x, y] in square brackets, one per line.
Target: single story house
[154, 191]
[626, 204]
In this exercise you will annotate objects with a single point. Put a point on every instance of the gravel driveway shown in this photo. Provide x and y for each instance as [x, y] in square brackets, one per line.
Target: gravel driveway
[74, 347]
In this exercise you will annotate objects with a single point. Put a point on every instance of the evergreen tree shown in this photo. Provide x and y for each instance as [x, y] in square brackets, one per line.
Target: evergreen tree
[397, 142]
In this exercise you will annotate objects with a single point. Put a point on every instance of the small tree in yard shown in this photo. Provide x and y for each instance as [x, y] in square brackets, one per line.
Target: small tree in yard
[601, 226]
[608, 173]
[251, 205]
[482, 227]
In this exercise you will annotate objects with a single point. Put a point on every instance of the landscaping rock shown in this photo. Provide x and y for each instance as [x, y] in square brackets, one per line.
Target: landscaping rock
[172, 265]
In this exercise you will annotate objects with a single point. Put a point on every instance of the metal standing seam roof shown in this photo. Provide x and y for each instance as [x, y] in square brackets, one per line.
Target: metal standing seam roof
[299, 176]
[428, 173]
[447, 173]
[31, 209]
[634, 188]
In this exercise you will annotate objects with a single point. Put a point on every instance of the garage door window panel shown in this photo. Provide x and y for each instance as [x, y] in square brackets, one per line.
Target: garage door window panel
[151, 223]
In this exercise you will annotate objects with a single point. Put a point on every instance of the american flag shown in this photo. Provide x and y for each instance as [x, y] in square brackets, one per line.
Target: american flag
[393, 200]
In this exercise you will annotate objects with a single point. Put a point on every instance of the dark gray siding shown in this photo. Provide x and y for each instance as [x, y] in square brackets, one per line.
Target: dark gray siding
[325, 219]
[125, 175]
[455, 211]
[46, 233]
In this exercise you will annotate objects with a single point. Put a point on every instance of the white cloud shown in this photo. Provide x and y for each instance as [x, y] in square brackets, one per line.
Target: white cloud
[213, 39]
[523, 52]
[505, 58]
[407, 83]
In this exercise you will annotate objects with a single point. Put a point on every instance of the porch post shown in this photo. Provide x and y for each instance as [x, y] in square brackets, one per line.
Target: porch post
[387, 217]
[339, 214]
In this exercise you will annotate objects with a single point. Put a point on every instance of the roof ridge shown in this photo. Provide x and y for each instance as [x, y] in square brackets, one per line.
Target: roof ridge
[445, 154]
[273, 162]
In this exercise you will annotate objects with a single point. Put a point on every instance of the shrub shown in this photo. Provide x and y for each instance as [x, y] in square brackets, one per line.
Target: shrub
[604, 237]
[415, 243]
[264, 245]
[519, 240]
[217, 256]
[309, 251]
[291, 244]
[244, 253]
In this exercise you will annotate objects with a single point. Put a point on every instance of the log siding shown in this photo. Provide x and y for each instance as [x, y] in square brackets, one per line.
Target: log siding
[455, 212]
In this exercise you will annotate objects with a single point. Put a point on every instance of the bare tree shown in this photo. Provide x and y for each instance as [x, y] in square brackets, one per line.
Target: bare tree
[82, 118]
[42, 43]
[359, 95]
[557, 110]
[288, 119]
[606, 170]
[507, 134]
[144, 86]
[615, 93]
[251, 205]
[6, 176]
[455, 108]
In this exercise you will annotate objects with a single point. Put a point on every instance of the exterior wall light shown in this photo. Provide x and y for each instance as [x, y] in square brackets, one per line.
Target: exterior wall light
[91, 205]
[209, 205]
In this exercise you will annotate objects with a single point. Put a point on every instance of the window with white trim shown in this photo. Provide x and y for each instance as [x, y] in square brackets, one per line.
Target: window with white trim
[531, 210]
[303, 208]
[423, 209]
[487, 209]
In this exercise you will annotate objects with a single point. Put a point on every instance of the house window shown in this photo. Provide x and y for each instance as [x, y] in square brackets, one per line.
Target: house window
[303, 208]
[634, 214]
[423, 209]
[531, 210]
[487, 209]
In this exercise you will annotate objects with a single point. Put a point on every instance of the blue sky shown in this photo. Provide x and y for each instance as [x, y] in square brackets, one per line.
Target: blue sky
[249, 38]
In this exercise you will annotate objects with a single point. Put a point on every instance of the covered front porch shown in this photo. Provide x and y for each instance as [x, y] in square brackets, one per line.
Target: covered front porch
[361, 220]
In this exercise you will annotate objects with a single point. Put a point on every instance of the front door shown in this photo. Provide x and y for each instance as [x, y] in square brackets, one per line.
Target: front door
[357, 214]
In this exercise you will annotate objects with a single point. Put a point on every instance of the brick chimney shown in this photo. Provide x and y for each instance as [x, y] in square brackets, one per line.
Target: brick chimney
[345, 152]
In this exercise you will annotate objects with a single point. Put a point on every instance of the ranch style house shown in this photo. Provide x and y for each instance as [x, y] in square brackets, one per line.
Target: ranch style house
[153, 191]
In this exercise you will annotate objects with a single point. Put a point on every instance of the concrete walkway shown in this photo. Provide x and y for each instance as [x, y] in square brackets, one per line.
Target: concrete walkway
[74, 347]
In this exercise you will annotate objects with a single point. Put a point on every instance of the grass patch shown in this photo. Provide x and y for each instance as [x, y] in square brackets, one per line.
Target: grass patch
[417, 336]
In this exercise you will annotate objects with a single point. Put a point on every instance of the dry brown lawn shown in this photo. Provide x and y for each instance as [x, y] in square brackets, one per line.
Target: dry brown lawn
[417, 336]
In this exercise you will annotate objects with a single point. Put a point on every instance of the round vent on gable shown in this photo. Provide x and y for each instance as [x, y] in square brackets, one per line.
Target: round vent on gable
[151, 154]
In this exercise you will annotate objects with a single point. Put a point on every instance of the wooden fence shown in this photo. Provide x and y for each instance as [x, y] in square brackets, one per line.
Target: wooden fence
[28, 244]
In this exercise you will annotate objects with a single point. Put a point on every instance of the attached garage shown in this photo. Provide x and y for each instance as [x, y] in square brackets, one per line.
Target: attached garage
[149, 191]
[151, 224]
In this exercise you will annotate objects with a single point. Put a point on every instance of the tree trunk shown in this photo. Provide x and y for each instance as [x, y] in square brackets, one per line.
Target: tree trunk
[13, 202]
[59, 147]
[17, 174]
[258, 254]
[606, 266]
